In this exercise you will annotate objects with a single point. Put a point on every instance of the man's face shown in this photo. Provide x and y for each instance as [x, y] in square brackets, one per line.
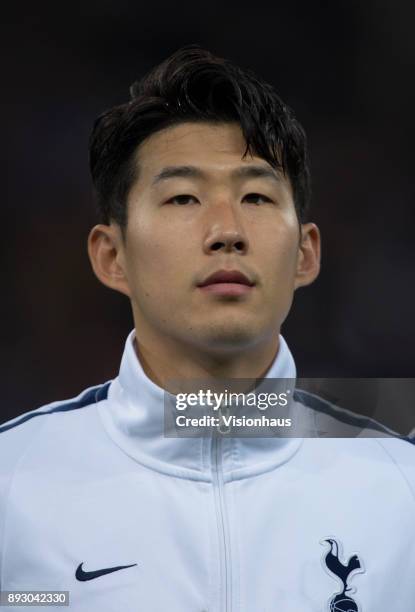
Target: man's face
[198, 208]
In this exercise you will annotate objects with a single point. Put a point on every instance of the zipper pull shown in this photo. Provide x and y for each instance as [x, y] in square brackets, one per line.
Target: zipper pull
[224, 410]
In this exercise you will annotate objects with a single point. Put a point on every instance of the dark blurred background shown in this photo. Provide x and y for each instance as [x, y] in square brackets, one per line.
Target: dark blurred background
[347, 68]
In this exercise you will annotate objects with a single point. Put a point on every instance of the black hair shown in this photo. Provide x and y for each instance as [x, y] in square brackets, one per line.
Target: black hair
[194, 85]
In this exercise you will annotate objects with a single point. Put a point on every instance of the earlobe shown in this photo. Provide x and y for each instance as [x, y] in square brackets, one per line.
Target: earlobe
[105, 252]
[308, 263]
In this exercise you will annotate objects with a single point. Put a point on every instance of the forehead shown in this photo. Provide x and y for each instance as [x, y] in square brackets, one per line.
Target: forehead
[212, 147]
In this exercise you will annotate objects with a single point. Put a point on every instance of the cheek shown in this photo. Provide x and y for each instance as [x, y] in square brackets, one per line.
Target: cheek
[281, 252]
[156, 262]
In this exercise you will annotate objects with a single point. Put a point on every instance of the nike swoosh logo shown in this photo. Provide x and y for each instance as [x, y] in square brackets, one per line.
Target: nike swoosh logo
[83, 576]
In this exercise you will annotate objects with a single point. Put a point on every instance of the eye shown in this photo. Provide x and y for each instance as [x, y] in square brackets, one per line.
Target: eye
[255, 198]
[181, 199]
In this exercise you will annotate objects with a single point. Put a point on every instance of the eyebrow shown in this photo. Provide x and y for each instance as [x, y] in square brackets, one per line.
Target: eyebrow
[244, 172]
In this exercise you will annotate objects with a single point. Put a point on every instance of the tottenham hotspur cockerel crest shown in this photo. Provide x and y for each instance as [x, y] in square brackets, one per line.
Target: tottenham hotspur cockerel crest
[343, 569]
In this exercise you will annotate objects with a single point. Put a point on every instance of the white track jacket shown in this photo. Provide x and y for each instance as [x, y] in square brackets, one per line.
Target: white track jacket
[95, 500]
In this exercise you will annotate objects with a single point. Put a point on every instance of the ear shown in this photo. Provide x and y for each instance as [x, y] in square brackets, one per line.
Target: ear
[106, 253]
[308, 263]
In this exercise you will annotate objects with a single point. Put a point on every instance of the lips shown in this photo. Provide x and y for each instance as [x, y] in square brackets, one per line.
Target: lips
[227, 276]
[227, 284]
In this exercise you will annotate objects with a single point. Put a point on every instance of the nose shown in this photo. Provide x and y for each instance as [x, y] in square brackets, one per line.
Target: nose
[225, 231]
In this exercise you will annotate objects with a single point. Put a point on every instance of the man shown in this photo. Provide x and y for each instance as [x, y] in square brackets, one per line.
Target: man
[202, 183]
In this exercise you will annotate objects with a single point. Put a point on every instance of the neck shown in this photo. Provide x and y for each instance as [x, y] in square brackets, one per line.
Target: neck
[170, 360]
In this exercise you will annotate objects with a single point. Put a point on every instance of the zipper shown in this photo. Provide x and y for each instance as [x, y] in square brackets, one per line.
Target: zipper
[222, 523]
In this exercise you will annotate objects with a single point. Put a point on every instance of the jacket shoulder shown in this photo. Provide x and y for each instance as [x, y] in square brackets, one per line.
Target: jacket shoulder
[91, 395]
[17, 434]
[330, 420]
[401, 451]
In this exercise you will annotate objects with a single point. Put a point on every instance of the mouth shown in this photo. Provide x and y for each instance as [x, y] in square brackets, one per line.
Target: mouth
[227, 283]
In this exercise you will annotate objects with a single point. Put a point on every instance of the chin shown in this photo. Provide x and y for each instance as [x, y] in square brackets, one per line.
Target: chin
[230, 338]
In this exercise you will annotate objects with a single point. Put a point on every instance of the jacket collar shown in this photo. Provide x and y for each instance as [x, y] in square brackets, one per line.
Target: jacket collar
[134, 418]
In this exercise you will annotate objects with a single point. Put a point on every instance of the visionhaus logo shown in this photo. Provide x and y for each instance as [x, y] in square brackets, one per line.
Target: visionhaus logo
[229, 421]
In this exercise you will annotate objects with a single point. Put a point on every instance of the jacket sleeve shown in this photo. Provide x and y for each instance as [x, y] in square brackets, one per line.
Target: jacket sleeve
[15, 438]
